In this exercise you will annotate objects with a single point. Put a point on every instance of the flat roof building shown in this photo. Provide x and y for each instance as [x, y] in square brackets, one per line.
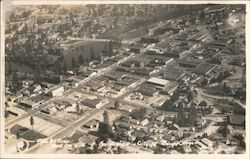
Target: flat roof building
[57, 91]
[94, 103]
[158, 81]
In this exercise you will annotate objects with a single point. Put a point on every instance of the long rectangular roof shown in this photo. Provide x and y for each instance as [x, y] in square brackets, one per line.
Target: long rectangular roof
[158, 81]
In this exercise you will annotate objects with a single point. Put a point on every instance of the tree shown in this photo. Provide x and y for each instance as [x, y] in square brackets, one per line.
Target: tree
[193, 114]
[18, 135]
[190, 96]
[32, 122]
[106, 118]
[168, 105]
[17, 83]
[104, 131]
[175, 96]
[224, 86]
[6, 114]
[73, 62]
[38, 71]
[64, 67]
[10, 67]
[77, 107]
[204, 82]
[92, 53]
[203, 103]
[110, 49]
[180, 115]
[80, 59]
[139, 114]
[158, 150]
[116, 104]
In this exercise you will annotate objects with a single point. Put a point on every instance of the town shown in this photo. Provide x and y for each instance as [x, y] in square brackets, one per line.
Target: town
[121, 79]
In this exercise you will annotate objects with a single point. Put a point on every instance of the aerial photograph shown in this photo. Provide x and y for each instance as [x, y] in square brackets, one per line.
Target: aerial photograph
[125, 79]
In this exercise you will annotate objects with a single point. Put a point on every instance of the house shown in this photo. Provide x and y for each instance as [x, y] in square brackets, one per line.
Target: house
[174, 127]
[135, 49]
[92, 124]
[35, 88]
[207, 142]
[57, 91]
[87, 140]
[124, 125]
[138, 63]
[144, 122]
[160, 118]
[50, 110]
[134, 121]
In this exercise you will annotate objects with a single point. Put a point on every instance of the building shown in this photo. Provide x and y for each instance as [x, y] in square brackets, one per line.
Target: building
[94, 103]
[188, 63]
[204, 69]
[138, 63]
[135, 49]
[29, 103]
[129, 64]
[35, 88]
[158, 60]
[69, 102]
[147, 90]
[149, 40]
[134, 121]
[50, 110]
[197, 37]
[92, 124]
[173, 74]
[174, 54]
[57, 91]
[170, 88]
[158, 81]
[144, 122]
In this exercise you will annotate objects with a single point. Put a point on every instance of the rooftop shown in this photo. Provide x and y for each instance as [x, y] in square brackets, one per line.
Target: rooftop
[158, 81]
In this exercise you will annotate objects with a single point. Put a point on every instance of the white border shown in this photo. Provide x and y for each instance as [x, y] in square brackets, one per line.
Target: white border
[123, 156]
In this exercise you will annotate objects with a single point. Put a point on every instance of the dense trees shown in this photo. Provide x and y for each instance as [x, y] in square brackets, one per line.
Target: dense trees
[16, 83]
[105, 129]
[32, 122]
[73, 62]
[116, 104]
[18, 135]
[80, 59]
[139, 114]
